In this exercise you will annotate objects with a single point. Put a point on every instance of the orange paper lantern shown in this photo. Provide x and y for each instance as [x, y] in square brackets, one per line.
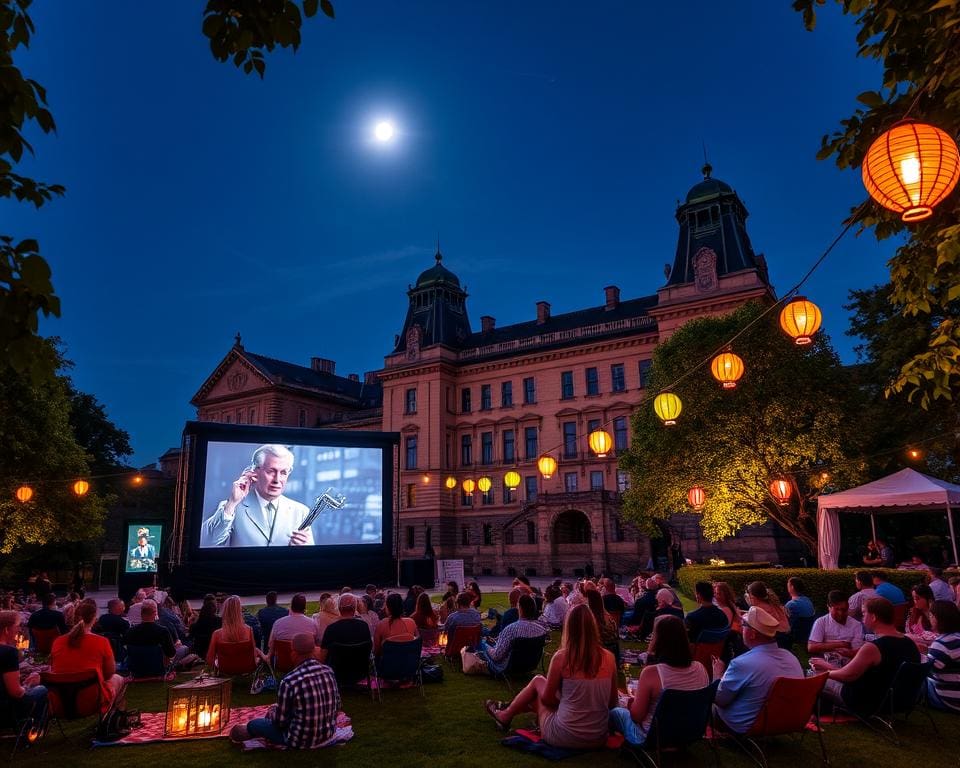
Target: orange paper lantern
[547, 466]
[600, 442]
[451, 483]
[81, 487]
[24, 493]
[484, 484]
[697, 497]
[468, 486]
[800, 319]
[911, 168]
[727, 368]
[780, 490]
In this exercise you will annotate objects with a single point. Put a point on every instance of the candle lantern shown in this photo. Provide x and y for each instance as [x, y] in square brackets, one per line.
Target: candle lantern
[442, 641]
[198, 707]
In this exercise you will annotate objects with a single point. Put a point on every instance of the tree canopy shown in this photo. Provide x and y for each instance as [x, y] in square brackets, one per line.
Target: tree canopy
[918, 44]
[792, 415]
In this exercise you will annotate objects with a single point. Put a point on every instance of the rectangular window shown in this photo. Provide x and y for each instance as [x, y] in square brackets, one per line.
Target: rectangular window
[593, 381]
[252, 416]
[566, 385]
[509, 448]
[239, 415]
[410, 405]
[530, 487]
[466, 450]
[529, 391]
[411, 495]
[410, 538]
[302, 417]
[465, 500]
[618, 379]
[487, 535]
[645, 367]
[618, 533]
[569, 439]
[570, 482]
[486, 447]
[530, 442]
[465, 535]
[620, 441]
[593, 425]
[411, 445]
[508, 496]
[596, 481]
[506, 394]
[531, 532]
[486, 398]
[488, 497]
[465, 406]
[623, 481]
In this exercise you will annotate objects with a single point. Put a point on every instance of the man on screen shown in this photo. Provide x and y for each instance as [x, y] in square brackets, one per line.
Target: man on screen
[264, 518]
[143, 550]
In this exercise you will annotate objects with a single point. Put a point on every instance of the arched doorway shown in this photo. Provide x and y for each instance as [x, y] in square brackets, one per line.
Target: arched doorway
[571, 527]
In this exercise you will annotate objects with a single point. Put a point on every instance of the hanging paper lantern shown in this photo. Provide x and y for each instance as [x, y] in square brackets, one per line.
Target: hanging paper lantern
[600, 442]
[911, 168]
[511, 479]
[727, 368]
[451, 483]
[81, 487]
[468, 486]
[547, 466]
[137, 480]
[667, 406]
[780, 490]
[484, 484]
[697, 497]
[426, 478]
[24, 493]
[800, 319]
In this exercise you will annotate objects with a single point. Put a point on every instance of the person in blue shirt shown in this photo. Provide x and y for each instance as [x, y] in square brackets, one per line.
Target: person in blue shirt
[799, 606]
[885, 589]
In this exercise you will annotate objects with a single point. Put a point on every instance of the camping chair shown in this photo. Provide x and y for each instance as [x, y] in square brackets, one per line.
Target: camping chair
[679, 720]
[282, 658]
[526, 654]
[146, 663]
[788, 708]
[710, 643]
[235, 659]
[117, 646]
[351, 663]
[907, 689]
[399, 661]
[23, 726]
[460, 638]
[42, 639]
[73, 695]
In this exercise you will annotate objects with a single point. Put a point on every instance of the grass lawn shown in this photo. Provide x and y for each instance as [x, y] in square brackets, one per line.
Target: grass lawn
[449, 728]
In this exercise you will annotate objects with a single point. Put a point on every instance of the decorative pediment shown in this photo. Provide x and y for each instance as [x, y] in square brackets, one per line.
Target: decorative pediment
[234, 376]
[567, 412]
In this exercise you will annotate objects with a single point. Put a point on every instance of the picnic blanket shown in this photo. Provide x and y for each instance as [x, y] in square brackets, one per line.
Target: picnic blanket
[151, 729]
[530, 741]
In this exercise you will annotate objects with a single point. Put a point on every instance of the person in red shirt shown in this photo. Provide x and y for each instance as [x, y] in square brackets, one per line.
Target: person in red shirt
[81, 650]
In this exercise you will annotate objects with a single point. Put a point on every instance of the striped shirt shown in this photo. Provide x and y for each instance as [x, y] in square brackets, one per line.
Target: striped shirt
[307, 705]
[945, 654]
[498, 656]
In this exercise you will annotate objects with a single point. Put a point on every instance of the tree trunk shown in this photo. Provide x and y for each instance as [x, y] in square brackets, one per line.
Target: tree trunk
[803, 529]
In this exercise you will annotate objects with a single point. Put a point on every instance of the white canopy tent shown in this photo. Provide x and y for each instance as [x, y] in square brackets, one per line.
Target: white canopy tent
[902, 492]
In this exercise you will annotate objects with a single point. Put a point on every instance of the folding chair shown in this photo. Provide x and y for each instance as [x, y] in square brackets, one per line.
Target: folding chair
[73, 695]
[282, 658]
[42, 639]
[788, 708]
[526, 654]
[460, 638]
[146, 663]
[22, 725]
[235, 659]
[399, 661]
[352, 663]
[679, 720]
[710, 643]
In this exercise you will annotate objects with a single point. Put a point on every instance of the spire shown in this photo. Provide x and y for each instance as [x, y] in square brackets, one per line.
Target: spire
[236, 341]
[707, 168]
[438, 256]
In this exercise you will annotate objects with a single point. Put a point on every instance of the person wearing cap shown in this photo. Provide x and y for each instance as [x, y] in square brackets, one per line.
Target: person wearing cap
[348, 629]
[305, 715]
[745, 683]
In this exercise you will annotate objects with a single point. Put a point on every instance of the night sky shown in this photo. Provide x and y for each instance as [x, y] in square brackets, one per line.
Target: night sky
[546, 143]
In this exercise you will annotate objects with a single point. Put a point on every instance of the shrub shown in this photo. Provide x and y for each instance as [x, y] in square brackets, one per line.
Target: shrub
[818, 582]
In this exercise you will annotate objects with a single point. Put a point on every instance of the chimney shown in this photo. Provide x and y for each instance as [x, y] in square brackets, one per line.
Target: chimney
[543, 312]
[353, 377]
[322, 365]
[371, 377]
[487, 323]
[613, 297]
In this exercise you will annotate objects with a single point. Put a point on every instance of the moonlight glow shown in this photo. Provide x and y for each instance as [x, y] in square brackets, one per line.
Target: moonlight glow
[384, 131]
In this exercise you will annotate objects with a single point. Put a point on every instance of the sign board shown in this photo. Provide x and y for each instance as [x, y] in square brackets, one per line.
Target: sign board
[449, 570]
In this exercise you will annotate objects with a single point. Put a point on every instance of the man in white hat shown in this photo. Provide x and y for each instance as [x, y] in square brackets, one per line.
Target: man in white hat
[747, 681]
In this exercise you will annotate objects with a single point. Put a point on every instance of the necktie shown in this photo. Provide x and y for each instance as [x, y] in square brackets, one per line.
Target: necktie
[271, 512]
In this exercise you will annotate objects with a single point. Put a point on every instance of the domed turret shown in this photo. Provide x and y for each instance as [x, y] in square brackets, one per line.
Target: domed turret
[437, 274]
[708, 188]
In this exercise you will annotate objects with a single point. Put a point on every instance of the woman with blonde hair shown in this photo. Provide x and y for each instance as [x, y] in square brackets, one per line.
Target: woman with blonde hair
[328, 614]
[573, 701]
[760, 595]
[232, 630]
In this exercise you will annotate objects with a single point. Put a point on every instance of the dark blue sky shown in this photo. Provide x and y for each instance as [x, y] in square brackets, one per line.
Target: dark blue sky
[546, 142]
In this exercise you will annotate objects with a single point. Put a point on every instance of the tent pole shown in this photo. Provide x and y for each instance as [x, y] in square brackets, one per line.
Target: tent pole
[953, 536]
[873, 525]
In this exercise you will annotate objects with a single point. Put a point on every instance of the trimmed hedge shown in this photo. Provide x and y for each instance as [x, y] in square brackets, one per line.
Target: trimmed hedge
[818, 582]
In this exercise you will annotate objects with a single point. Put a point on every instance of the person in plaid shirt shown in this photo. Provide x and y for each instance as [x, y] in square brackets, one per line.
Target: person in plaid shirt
[498, 656]
[305, 715]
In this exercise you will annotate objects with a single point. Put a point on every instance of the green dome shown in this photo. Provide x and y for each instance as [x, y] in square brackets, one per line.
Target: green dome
[437, 274]
[708, 188]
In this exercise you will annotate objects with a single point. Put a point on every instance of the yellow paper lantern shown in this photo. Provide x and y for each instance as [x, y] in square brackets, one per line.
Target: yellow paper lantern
[484, 484]
[81, 487]
[511, 479]
[468, 486]
[800, 319]
[780, 490]
[727, 368]
[911, 168]
[667, 406]
[600, 442]
[451, 483]
[547, 466]
[24, 493]
[697, 497]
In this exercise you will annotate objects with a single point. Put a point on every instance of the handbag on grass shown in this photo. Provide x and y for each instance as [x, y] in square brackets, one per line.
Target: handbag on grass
[472, 663]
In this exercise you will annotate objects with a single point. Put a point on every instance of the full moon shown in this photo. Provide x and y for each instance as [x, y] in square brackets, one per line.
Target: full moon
[383, 131]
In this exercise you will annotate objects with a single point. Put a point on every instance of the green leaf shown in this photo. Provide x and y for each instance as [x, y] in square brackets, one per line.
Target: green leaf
[327, 7]
[871, 99]
[310, 8]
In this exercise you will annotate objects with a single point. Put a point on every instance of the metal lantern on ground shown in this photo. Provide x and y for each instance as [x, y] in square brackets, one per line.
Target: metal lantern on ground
[81, 487]
[198, 708]
[800, 319]
[600, 442]
[911, 168]
[468, 486]
[24, 493]
[697, 497]
[547, 466]
[451, 483]
[667, 406]
[727, 368]
[484, 484]
[780, 490]
[511, 479]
